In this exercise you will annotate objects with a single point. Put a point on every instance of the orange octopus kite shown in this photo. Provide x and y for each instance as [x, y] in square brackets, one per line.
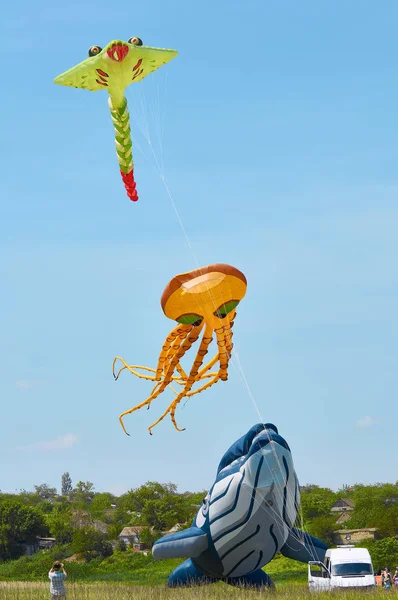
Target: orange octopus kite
[201, 300]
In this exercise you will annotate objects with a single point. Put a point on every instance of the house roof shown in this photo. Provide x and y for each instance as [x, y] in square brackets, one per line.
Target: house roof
[132, 531]
[356, 530]
[174, 529]
[391, 500]
[100, 526]
[343, 502]
[343, 517]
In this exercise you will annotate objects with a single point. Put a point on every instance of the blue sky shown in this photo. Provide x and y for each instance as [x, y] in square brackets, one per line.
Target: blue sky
[280, 151]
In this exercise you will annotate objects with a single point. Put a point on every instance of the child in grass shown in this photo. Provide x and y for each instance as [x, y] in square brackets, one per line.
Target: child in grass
[387, 579]
[57, 576]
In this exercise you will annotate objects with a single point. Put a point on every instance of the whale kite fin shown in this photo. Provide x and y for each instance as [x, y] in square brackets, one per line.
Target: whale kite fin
[303, 547]
[187, 574]
[256, 579]
[189, 542]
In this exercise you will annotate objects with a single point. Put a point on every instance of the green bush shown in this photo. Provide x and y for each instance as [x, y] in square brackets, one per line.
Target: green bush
[384, 552]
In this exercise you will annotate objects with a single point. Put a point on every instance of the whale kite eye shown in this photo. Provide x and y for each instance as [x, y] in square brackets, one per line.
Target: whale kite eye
[205, 506]
[226, 308]
[136, 41]
[94, 50]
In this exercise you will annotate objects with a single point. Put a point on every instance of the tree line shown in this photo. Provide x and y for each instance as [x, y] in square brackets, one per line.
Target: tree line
[86, 521]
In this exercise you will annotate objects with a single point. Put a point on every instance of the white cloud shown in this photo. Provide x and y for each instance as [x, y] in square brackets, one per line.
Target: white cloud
[60, 443]
[366, 422]
[27, 384]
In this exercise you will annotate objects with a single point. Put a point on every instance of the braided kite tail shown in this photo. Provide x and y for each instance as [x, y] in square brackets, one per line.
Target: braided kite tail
[121, 122]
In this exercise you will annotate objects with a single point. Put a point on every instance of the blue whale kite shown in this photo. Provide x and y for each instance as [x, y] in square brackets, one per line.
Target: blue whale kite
[246, 518]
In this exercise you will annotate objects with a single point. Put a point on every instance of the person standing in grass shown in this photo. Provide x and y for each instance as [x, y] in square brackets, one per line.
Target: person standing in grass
[395, 578]
[386, 579]
[57, 576]
[378, 577]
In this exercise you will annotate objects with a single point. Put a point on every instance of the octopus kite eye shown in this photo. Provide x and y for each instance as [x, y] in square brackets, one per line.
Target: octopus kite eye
[136, 41]
[223, 310]
[94, 50]
[190, 319]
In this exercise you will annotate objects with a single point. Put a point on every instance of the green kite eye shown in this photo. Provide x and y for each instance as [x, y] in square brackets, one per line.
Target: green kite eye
[190, 319]
[136, 41]
[226, 308]
[94, 50]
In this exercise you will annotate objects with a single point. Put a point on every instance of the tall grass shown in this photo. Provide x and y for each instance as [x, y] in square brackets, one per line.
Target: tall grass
[128, 567]
[219, 591]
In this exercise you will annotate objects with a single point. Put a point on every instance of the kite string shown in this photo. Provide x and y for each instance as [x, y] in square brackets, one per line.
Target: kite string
[143, 125]
[161, 173]
[236, 363]
[235, 359]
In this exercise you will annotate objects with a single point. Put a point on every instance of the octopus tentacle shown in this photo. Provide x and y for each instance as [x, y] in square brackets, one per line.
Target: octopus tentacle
[202, 351]
[191, 337]
[132, 369]
[181, 371]
[222, 352]
[205, 386]
[179, 332]
[228, 335]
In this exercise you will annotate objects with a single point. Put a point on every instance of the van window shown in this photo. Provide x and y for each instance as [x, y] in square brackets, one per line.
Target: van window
[352, 569]
[317, 571]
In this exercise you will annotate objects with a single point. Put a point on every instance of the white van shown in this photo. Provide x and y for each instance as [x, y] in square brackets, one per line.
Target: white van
[344, 566]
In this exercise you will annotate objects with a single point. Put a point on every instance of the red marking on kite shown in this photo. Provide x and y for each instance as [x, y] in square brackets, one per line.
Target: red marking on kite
[121, 52]
[138, 74]
[101, 82]
[130, 185]
[102, 73]
[137, 65]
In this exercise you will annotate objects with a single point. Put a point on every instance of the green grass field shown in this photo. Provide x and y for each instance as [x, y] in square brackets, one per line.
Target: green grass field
[128, 567]
[130, 575]
[98, 591]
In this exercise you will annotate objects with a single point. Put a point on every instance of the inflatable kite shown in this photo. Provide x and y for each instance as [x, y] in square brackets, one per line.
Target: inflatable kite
[245, 519]
[203, 300]
[114, 68]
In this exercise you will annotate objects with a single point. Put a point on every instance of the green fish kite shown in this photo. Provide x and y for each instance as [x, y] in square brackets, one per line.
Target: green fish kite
[114, 68]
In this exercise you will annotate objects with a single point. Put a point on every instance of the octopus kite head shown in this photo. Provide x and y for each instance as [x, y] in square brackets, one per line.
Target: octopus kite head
[202, 302]
[210, 294]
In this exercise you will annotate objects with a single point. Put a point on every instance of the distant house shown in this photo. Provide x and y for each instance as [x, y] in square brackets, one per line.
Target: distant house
[343, 518]
[100, 526]
[40, 544]
[353, 536]
[174, 529]
[342, 505]
[46, 543]
[132, 537]
[391, 500]
[29, 549]
[82, 518]
[342, 509]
